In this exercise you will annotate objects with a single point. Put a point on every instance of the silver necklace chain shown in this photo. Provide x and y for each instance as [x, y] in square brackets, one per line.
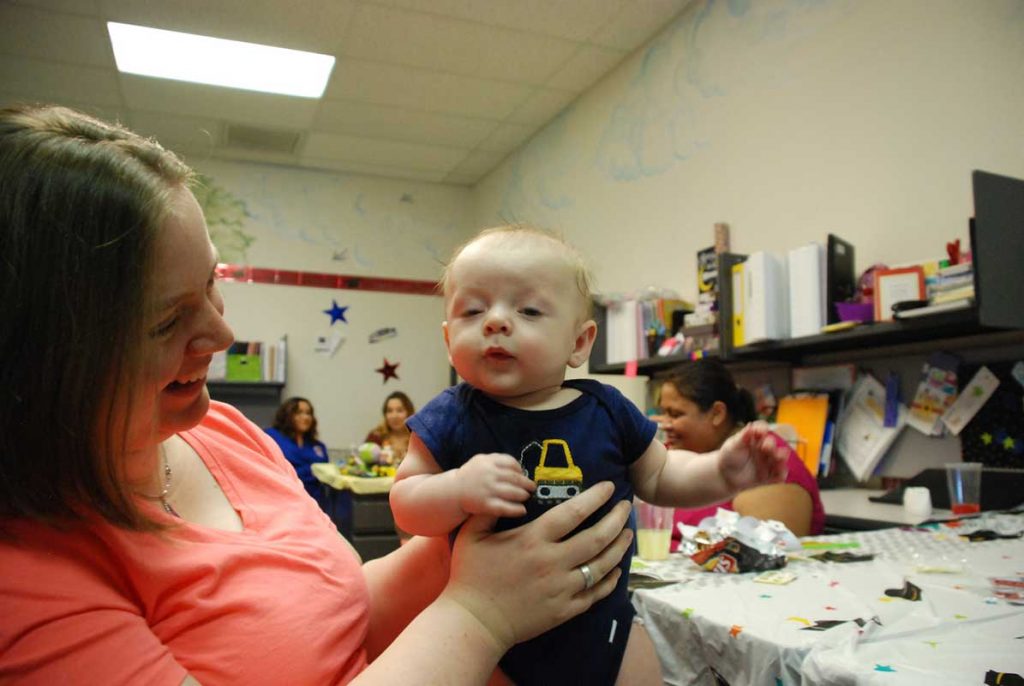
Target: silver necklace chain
[166, 488]
[167, 484]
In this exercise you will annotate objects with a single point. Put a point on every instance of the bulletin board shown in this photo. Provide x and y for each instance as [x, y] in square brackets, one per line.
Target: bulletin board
[995, 436]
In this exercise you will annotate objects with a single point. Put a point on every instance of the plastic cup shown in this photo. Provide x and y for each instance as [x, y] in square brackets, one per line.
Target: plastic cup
[964, 480]
[917, 501]
[654, 530]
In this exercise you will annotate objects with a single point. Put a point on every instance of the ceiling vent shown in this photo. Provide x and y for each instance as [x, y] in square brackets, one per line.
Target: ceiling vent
[263, 140]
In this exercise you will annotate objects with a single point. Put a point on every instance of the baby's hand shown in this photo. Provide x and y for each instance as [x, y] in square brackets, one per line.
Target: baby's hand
[494, 484]
[752, 458]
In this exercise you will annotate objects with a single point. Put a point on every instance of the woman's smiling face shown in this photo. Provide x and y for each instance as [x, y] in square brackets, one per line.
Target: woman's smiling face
[184, 327]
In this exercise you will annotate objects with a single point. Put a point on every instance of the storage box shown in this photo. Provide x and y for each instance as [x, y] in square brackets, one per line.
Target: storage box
[855, 312]
[244, 367]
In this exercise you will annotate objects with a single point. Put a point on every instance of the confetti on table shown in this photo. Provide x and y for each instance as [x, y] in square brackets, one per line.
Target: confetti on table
[884, 668]
[736, 630]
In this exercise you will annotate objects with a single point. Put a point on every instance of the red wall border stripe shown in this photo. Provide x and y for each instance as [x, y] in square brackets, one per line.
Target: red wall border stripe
[247, 274]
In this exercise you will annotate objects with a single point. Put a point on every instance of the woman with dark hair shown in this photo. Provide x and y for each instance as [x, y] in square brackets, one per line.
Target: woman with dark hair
[149, 535]
[701, 406]
[294, 431]
[392, 432]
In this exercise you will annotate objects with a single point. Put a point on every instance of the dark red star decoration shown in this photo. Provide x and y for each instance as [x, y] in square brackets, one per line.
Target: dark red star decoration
[388, 370]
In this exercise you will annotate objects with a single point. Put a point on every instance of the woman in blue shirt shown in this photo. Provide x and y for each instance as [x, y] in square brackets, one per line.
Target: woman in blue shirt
[295, 431]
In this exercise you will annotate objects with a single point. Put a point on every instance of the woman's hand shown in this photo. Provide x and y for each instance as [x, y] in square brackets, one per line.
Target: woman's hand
[752, 457]
[524, 581]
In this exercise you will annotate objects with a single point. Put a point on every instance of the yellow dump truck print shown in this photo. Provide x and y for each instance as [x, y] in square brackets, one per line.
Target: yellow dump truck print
[555, 482]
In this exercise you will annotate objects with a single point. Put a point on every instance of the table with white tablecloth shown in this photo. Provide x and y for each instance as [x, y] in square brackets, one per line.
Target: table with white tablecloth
[923, 611]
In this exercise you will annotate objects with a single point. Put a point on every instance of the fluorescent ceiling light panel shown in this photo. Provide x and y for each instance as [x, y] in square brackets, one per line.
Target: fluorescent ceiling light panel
[219, 62]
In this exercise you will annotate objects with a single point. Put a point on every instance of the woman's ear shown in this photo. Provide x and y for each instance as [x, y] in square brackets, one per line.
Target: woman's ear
[583, 344]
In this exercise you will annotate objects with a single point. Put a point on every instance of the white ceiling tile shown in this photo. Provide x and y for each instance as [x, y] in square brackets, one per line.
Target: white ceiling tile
[316, 25]
[478, 163]
[507, 137]
[428, 41]
[446, 76]
[107, 113]
[198, 100]
[374, 151]
[637, 22]
[178, 133]
[377, 121]
[77, 40]
[49, 81]
[391, 172]
[246, 155]
[574, 20]
[542, 105]
[585, 68]
[385, 84]
[82, 7]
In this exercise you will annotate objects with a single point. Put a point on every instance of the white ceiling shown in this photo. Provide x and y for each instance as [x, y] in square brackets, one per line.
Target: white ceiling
[433, 90]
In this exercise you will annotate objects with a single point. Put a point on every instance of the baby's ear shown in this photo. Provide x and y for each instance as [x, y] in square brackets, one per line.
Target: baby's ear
[447, 343]
[584, 343]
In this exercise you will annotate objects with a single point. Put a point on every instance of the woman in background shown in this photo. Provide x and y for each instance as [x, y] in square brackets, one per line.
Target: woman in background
[295, 431]
[392, 432]
[701, 406]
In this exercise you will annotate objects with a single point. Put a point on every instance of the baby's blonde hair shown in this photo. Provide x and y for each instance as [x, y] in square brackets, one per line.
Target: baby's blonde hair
[514, 232]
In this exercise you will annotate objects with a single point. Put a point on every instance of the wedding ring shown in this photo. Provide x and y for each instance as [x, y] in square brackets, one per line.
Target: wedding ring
[588, 576]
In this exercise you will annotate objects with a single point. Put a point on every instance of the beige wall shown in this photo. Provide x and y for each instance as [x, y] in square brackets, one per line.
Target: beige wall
[787, 120]
[344, 224]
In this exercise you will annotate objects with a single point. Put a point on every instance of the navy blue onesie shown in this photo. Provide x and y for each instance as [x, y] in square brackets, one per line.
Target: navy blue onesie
[594, 438]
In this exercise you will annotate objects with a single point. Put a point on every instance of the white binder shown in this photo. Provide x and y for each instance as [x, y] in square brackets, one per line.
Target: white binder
[766, 311]
[808, 309]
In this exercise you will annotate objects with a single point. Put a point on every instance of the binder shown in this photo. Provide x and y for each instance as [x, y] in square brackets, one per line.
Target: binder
[807, 413]
[840, 277]
[766, 303]
[738, 298]
[807, 303]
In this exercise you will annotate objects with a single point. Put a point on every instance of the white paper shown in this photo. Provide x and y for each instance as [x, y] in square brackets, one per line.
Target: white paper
[861, 437]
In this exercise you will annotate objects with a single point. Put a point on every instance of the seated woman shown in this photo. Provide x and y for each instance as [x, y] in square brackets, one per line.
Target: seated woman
[702, 406]
[392, 432]
[295, 431]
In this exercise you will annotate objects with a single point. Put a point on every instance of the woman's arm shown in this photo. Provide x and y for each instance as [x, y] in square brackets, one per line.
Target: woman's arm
[504, 588]
[787, 503]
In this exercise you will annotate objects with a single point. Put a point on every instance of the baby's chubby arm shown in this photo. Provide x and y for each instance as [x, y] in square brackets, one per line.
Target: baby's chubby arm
[427, 501]
[681, 478]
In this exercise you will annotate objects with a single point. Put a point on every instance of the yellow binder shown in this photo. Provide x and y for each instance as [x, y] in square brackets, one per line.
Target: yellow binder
[738, 299]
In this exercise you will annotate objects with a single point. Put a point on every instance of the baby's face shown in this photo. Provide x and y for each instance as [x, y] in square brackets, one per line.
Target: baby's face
[514, 315]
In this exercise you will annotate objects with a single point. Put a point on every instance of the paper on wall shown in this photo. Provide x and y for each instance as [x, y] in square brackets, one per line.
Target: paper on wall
[974, 396]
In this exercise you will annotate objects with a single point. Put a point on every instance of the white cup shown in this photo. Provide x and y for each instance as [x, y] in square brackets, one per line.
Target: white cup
[917, 501]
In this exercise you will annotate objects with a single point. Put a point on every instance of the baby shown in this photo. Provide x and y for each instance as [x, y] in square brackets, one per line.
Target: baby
[517, 437]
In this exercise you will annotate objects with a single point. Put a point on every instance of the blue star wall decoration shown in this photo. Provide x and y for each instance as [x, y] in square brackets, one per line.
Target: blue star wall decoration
[337, 313]
[388, 370]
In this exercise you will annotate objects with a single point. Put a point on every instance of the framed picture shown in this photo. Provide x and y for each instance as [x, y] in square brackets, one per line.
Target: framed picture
[896, 285]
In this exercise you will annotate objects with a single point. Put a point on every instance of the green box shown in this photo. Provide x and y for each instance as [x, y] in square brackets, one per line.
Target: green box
[244, 368]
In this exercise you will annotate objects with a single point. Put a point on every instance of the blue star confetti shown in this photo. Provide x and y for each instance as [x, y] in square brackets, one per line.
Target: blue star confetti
[337, 313]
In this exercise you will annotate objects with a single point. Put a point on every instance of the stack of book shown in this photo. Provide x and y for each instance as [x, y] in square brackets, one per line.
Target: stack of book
[951, 284]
